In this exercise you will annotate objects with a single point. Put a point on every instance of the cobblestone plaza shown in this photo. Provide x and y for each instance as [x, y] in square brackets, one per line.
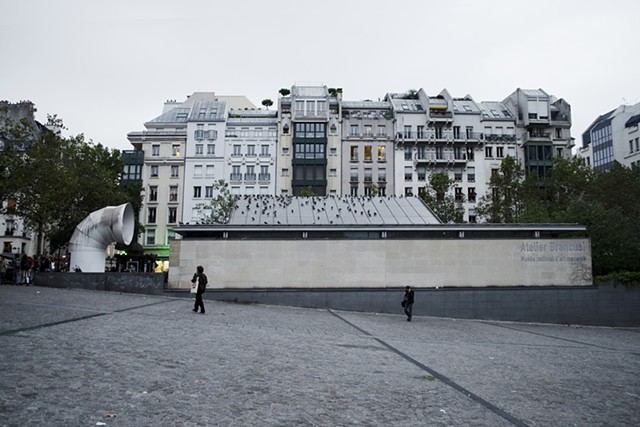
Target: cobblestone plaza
[75, 357]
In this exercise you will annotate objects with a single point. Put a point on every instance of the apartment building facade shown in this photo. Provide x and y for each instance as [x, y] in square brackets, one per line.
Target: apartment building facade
[309, 141]
[613, 137]
[543, 129]
[367, 149]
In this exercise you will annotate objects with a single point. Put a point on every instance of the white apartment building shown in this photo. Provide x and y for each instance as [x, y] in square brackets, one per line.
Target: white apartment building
[367, 148]
[309, 141]
[250, 151]
[613, 137]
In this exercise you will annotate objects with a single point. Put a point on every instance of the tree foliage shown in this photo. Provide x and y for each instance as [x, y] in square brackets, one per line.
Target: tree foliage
[607, 203]
[267, 103]
[220, 208]
[56, 182]
[437, 195]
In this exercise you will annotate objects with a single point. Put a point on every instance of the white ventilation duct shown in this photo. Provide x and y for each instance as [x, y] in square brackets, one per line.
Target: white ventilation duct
[96, 232]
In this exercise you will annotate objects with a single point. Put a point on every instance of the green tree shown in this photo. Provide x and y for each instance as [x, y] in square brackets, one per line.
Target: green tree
[307, 192]
[267, 103]
[220, 208]
[56, 182]
[504, 202]
[284, 91]
[437, 195]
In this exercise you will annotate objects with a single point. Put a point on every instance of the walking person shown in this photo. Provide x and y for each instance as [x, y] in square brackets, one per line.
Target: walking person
[3, 270]
[25, 267]
[407, 302]
[200, 279]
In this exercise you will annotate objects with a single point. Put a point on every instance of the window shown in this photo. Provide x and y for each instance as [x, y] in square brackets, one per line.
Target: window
[155, 150]
[421, 134]
[382, 130]
[368, 175]
[382, 153]
[382, 175]
[199, 149]
[353, 153]
[175, 171]
[422, 173]
[235, 173]
[458, 194]
[151, 215]
[438, 132]
[251, 173]
[333, 172]
[285, 151]
[631, 146]
[558, 132]
[173, 216]
[422, 152]
[457, 153]
[175, 150]
[456, 132]
[559, 152]
[153, 171]
[151, 237]
[354, 130]
[488, 151]
[173, 193]
[264, 150]
[209, 171]
[264, 173]
[439, 153]
[353, 175]
[408, 173]
[197, 192]
[469, 131]
[251, 150]
[499, 152]
[367, 153]
[153, 193]
[471, 194]
[10, 227]
[197, 171]
[285, 172]
[236, 150]
[211, 150]
[407, 131]
[408, 192]
[354, 191]
[368, 130]
[470, 154]
[212, 134]
[471, 174]
[407, 153]
[208, 191]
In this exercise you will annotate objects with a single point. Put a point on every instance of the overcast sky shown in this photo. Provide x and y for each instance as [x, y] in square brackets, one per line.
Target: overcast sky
[106, 67]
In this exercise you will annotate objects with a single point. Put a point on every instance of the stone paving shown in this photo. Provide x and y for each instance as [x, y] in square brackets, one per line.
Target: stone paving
[87, 358]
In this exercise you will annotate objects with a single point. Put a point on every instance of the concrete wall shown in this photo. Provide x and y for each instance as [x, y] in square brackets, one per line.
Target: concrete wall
[138, 283]
[602, 305]
[382, 263]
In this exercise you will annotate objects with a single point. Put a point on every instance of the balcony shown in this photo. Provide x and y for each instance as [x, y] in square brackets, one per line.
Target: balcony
[249, 176]
[536, 137]
[499, 138]
[235, 177]
[264, 177]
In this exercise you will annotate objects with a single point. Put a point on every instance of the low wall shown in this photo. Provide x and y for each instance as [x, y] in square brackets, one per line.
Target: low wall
[603, 305]
[137, 283]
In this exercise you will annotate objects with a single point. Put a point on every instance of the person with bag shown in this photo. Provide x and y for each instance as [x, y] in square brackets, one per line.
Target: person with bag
[407, 302]
[200, 281]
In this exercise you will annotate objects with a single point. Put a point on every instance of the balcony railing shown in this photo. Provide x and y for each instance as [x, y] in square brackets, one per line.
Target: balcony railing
[249, 176]
[236, 177]
[264, 177]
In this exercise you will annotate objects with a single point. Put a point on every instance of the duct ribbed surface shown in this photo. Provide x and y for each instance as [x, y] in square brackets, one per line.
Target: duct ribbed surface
[96, 232]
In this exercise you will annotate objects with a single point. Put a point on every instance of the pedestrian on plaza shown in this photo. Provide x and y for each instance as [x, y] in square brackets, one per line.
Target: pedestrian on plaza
[407, 302]
[25, 266]
[200, 280]
[3, 270]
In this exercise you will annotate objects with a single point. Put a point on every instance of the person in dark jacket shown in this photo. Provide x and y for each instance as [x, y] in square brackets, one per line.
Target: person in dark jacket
[407, 302]
[201, 280]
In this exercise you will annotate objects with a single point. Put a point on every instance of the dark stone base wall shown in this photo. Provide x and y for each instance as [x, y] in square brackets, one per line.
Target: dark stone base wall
[137, 283]
[604, 305]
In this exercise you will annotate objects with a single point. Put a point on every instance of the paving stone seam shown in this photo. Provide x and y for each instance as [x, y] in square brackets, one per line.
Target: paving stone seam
[557, 338]
[490, 406]
[74, 319]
